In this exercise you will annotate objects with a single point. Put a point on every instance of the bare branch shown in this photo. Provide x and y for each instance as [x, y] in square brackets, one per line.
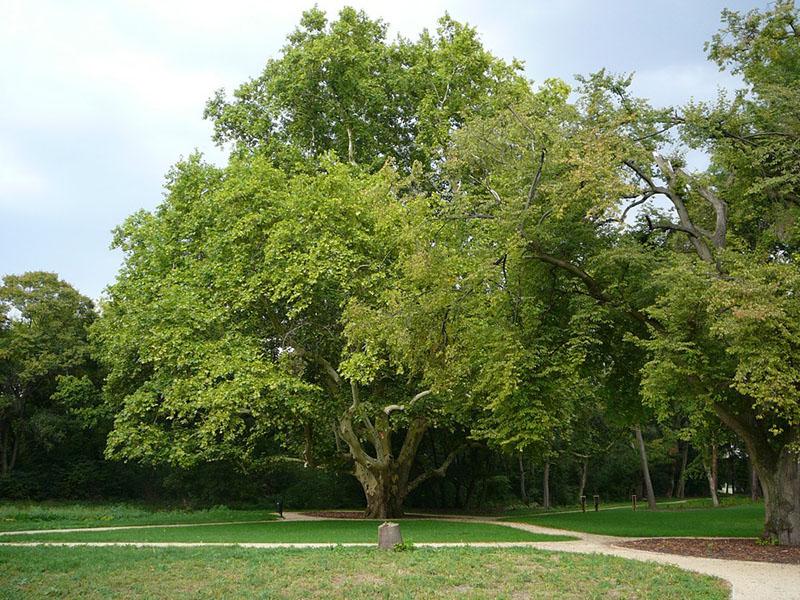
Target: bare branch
[421, 395]
[536, 179]
[438, 472]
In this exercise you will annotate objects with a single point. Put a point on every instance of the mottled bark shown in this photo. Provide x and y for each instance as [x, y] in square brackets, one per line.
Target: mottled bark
[710, 467]
[778, 471]
[651, 497]
[385, 477]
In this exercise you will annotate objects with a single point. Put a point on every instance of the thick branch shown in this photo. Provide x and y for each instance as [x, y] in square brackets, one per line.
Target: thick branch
[438, 472]
[763, 454]
[594, 288]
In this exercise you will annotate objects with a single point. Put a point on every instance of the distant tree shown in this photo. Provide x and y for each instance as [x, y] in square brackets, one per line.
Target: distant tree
[43, 336]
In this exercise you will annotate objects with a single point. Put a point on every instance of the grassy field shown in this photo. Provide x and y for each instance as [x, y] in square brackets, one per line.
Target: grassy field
[329, 531]
[663, 503]
[738, 520]
[126, 573]
[16, 516]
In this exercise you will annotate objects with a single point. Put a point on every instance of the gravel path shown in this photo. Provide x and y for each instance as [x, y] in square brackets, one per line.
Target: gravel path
[749, 580]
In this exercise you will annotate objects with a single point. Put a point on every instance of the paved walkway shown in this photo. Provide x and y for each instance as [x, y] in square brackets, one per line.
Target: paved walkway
[749, 580]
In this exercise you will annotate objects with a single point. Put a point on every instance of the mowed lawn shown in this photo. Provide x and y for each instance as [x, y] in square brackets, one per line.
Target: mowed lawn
[327, 531]
[353, 573]
[16, 516]
[743, 520]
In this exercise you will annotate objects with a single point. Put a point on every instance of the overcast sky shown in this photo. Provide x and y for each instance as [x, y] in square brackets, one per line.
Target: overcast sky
[98, 99]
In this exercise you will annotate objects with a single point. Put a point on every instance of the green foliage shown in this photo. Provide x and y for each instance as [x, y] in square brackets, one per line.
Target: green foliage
[43, 337]
[342, 87]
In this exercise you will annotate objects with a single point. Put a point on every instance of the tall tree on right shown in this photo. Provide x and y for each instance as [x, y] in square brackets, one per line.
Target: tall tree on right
[697, 268]
[731, 321]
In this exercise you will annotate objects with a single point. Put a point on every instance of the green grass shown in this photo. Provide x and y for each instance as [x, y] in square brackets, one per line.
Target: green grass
[127, 573]
[17, 516]
[665, 503]
[738, 520]
[329, 531]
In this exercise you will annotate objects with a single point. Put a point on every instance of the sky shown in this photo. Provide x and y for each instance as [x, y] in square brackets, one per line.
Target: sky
[98, 99]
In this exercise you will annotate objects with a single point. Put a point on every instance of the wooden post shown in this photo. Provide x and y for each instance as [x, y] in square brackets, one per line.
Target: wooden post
[596, 502]
[633, 501]
[583, 503]
[389, 536]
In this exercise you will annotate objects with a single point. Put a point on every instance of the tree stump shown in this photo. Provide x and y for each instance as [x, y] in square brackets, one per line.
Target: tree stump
[389, 536]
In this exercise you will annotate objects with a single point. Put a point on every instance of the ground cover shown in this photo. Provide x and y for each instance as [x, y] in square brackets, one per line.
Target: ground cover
[354, 573]
[323, 531]
[17, 516]
[740, 520]
[727, 548]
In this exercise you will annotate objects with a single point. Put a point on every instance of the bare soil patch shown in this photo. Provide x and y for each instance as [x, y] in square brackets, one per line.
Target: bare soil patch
[725, 548]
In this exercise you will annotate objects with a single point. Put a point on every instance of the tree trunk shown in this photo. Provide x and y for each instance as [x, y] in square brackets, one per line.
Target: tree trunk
[781, 489]
[523, 492]
[384, 495]
[4, 451]
[14, 450]
[672, 472]
[651, 497]
[308, 449]
[778, 471]
[711, 475]
[584, 475]
[546, 486]
[754, 494]
[350, 148]
[681, 491]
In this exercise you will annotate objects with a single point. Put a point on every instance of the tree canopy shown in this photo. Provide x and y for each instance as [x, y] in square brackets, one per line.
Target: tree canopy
[408, 234]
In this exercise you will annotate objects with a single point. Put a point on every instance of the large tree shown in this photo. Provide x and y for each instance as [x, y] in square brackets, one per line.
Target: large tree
[700, 268]
[225, 327]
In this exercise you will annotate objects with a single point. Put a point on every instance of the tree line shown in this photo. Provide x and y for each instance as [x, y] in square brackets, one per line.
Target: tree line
[411, 243]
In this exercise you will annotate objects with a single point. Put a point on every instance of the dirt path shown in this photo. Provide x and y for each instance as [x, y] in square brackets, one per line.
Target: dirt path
[749, 580]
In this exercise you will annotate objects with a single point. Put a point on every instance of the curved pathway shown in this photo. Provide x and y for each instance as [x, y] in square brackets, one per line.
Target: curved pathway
[748, 580]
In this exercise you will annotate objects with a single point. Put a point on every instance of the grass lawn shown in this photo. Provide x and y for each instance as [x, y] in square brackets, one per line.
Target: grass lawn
[665, 503]
[16, 516]
[126, 573]
[739, 520]
[329, 531]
